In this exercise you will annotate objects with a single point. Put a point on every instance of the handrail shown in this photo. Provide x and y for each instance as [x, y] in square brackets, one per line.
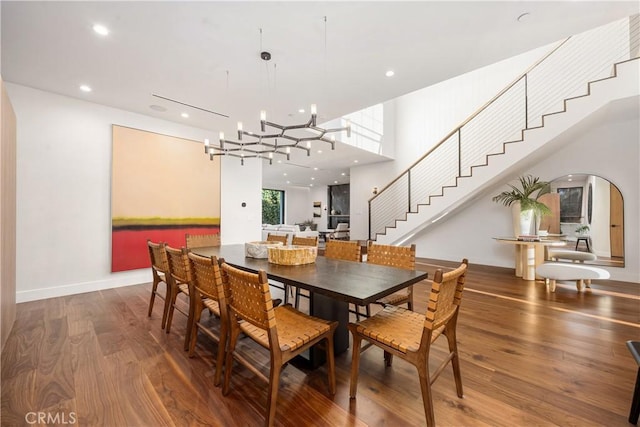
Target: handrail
[476, 113]
[539, 91]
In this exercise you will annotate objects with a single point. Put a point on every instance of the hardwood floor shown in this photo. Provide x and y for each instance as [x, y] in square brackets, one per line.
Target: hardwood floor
[528, 357]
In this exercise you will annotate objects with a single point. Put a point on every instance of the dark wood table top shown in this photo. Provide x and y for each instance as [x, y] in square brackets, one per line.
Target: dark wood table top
[354, 282]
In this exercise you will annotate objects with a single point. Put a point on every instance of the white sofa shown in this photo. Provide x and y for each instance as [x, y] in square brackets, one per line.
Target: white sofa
[290, 230]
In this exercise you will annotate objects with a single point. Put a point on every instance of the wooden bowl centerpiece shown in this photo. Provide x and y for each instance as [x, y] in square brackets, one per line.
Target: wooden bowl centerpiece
[259, 249]
[292, 255]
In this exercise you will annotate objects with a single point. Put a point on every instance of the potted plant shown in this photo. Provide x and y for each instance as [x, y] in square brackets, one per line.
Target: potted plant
[525, 200]
[582, 230]
[309, 224]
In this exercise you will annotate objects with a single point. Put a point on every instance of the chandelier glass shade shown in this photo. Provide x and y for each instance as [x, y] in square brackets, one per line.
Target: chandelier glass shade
[280, 142]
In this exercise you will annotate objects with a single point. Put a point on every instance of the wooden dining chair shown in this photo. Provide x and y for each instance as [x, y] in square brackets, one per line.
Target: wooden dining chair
[394, 256]
[409, 335]
[305, 241]
[283, 238]
[160, 272]
[284, 331]
[346, 250]
[301, 241]
[180, 270]
[202, 240]
[208, 294]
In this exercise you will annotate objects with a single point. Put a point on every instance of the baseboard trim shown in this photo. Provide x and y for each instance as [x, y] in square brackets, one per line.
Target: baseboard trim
[117, 280]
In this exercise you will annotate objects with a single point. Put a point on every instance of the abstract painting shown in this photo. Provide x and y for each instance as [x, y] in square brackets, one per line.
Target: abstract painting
[162, 187]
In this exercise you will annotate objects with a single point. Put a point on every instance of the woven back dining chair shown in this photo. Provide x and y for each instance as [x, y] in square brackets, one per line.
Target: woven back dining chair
[283, 330]
[180, 270]
[409, 335]
[208, 294]
[160, 272]
[202, 240]
[283, 238]
[301, 241]
[305, 241]
[346, 250]
[394, 256]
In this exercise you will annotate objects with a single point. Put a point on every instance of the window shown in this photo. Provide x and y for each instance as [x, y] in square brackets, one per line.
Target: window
[570, 204]
[272, 206]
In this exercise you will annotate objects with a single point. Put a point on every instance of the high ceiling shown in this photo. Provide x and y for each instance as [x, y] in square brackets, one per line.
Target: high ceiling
[207, 55]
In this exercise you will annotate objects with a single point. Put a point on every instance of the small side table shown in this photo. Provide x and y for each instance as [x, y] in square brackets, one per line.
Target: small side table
[584, 239]
[634, 348]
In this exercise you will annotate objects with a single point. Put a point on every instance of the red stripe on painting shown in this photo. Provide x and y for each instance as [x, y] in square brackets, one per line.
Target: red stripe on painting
[129, 247]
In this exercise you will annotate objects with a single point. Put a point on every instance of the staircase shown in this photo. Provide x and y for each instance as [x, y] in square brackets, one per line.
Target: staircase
[517, 128]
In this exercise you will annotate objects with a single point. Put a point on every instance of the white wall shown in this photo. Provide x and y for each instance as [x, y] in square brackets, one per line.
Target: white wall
[424, 117]
[610, 150]
[63, 195]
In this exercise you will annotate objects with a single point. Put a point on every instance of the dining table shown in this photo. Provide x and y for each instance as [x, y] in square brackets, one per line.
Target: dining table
[332, 284]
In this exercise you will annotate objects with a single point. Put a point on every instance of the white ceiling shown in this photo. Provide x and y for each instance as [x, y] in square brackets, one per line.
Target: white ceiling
[207, 54]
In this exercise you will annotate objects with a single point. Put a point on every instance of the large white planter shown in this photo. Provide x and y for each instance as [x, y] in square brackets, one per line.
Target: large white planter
[523, 221]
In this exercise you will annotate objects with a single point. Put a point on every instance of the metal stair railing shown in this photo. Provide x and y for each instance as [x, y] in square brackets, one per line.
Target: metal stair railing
[563, 73]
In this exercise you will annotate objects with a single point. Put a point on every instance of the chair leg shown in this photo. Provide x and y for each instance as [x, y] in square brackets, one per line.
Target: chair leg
[222, 346]
[171, 307]
[355, 365]
[193, 337]
[450, 333]
[388, 359]
[154, 289]
[425, 388]
[167, 301]
[297, 298]
[272, 397]
[234, 332]
[332, 365]
[192, 300]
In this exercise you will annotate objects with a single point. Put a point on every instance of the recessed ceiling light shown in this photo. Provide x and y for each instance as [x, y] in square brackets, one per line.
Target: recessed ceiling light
[315, 169]
[335, 182]
[312, 178]
[389, 73]
[185, 115]
[85, 88]
[288, 182]
[310, 185]
[279, 161]
[101, 29]
[301, 110]
[157, 107]
[319, 151]
[355, 161]
[285, 174]
[524, 17]
[343, 174]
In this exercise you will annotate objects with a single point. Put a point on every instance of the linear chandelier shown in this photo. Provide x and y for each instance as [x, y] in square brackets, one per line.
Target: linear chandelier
[266, 145]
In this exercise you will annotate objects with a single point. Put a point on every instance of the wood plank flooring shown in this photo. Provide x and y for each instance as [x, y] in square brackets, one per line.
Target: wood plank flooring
[528, 357]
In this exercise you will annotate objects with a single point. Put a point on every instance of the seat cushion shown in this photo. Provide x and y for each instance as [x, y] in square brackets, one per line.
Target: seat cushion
[566, 271]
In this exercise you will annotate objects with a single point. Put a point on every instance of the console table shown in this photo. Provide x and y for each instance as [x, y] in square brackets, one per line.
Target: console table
[529, 254]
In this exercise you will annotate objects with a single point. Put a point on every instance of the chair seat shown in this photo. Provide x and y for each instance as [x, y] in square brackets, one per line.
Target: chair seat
[212, 305]
[184, 288]
[295, 329]
[396, 327]
[396, 298]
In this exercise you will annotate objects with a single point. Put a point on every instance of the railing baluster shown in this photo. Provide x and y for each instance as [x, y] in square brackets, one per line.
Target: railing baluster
[562, 73]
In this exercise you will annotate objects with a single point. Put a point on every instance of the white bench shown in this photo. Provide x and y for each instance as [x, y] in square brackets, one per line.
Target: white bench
[582, 274]
[575, 256]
